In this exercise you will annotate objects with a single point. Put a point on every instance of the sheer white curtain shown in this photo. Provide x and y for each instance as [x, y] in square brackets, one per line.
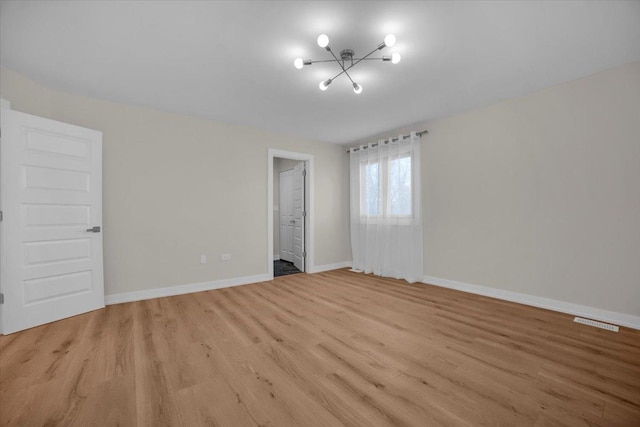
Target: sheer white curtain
[386, 221]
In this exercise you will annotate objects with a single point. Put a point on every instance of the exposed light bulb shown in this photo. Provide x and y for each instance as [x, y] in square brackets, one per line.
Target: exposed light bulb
[357, 88]
[323, 40]
[389, 40]
[395, 58]
[298, 63]
[324, 84]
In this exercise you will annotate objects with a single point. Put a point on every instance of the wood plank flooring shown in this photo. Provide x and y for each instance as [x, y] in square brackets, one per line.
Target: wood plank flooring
[328, 349]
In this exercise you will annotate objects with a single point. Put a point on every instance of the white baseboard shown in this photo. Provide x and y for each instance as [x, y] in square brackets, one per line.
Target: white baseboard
[182, 289]
[328, 267]
[547, 303]
[276, 257]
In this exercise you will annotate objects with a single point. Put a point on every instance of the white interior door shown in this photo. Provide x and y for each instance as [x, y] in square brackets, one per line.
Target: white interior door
[299, 214]
[286, 216]
[51, 198]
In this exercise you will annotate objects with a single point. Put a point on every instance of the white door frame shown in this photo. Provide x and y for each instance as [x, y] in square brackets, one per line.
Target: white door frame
[298, 207]
[309, 206]
[4, 104]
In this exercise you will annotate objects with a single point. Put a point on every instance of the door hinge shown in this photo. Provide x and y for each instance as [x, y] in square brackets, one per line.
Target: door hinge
[1, 298]
[304, 172]
[304, 213]
[304, 254]
[1, 216]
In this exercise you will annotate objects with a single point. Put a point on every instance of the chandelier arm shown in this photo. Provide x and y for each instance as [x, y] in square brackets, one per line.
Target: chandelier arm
[344, 70]
[361, 59]
[352, 82]
[321, 60]
[341, 73]
[333, 60]
[366, 59]
[338, 75]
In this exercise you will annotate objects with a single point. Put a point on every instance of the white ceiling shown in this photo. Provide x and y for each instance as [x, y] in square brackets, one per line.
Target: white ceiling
[233, 61]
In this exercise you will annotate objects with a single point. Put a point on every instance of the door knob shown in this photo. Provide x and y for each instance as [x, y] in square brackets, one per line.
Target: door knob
[293, 221]
[95, 229]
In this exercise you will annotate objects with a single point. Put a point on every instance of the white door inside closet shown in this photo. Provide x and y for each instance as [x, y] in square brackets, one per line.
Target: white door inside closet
[51, 240]
[286, 215]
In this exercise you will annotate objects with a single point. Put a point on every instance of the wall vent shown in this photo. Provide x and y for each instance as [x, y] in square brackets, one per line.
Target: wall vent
[596, 324]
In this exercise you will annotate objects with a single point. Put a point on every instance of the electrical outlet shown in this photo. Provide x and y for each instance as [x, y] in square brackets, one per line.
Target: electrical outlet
[203, 259]
[225, 257]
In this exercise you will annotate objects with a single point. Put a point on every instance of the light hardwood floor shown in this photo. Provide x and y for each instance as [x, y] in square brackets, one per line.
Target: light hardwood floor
[335, 348]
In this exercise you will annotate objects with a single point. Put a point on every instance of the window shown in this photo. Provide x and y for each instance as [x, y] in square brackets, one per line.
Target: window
[386, 188]
[385, 208]
[400, 186]
[371, 191]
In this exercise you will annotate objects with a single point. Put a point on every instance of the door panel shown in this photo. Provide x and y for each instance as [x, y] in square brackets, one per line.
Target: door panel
[51, 176]
[286, 216]
[56, 251]
[298, 216]
[49, 288]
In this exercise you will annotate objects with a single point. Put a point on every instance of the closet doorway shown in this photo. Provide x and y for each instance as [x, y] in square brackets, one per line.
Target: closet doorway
[290, 213]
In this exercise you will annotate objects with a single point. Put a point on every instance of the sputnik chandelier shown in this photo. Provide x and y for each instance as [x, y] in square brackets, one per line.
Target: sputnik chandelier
[347, 60]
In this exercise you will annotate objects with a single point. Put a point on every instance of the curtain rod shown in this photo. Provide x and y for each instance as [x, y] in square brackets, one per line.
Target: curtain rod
[375, 144]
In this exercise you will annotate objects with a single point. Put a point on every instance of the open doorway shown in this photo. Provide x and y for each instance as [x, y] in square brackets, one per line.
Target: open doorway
[288, 216]
[290, 213]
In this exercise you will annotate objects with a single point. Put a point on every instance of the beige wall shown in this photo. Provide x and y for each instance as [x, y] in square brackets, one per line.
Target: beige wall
[279, 165]
[540, 194]
[176, 187]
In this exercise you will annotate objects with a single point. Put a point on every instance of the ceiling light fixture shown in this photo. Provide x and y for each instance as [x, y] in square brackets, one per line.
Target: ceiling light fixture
[325, 84]
[347, 60]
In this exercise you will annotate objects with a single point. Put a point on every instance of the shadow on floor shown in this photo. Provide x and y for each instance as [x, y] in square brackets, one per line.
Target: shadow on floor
[283, 268]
